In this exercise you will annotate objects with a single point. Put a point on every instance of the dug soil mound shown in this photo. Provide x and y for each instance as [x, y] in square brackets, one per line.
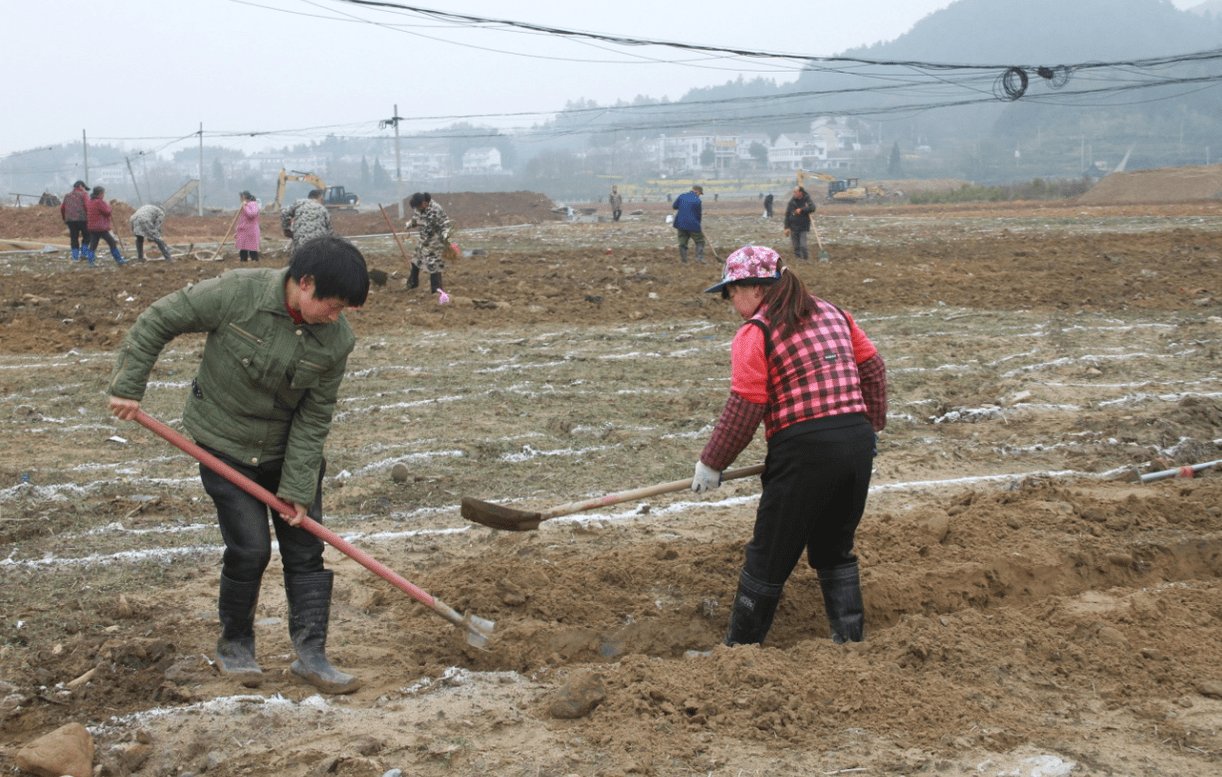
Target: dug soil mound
[1168, 184]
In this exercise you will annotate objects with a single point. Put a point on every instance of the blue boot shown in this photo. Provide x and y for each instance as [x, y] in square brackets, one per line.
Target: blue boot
[90, 255]
[114, 252]
[76, 254]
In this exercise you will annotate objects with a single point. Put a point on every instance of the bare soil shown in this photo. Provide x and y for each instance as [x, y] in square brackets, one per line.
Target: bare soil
[1032, 607]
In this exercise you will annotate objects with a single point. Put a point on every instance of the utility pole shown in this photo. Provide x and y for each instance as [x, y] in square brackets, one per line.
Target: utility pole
[394, 121]
[85, 146]
[132, 175]
[199, 190]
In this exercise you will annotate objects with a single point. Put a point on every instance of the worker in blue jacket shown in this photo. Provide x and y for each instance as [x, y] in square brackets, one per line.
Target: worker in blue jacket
[687, 222]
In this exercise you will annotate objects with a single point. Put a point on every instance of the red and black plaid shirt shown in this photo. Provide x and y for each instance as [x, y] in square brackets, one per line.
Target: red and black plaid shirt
[826, 368]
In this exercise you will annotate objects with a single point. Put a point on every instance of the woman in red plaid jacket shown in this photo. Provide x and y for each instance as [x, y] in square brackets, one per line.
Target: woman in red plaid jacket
[803, 367]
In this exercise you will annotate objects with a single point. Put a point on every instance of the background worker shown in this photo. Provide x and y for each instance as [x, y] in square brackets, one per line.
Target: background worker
[768, 206]
[434, 238]
[262, 402]
[798, 214]
[75, 214]
[803, 367]
[687, 222]
[616, 202]
[98, 221]
[146, 222]
[246, 234]
[305, 220]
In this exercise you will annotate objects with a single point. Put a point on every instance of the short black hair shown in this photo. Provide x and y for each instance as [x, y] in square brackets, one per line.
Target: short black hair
[80, 185]
[315, 194]
[337, 266]
[97, 192]
[419, 198]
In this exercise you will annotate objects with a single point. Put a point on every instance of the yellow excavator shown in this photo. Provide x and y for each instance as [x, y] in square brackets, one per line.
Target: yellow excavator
[846, 190]
[334, 197]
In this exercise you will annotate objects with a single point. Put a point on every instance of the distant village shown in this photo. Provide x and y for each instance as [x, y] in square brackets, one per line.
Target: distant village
[369, 166]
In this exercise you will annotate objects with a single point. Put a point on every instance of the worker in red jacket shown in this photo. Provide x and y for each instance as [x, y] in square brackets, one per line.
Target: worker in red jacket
[75, 215]
[98, 221]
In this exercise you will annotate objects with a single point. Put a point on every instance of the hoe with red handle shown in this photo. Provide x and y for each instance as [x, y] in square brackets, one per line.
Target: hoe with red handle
[478, 629]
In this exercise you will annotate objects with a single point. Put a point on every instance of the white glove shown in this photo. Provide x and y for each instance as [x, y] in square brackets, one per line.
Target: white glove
[706, 478]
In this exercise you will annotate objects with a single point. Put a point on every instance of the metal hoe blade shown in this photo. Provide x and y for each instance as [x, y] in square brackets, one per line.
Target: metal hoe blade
[498, 516]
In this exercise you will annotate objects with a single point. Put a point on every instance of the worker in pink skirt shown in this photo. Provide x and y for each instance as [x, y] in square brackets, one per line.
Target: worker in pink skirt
[246, 234]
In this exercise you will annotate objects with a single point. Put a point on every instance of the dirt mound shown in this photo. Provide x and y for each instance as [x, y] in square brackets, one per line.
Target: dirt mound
[498, 209]
[1164, 184]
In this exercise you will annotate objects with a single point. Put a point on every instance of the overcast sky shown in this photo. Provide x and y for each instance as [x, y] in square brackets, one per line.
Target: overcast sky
[151, 71]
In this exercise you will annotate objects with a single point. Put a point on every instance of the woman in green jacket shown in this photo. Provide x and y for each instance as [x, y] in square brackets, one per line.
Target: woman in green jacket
[262, 401]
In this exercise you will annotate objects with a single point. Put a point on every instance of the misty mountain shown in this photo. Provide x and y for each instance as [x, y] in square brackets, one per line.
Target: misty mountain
[1208, 7]
[1066, 95]
[1048, 32]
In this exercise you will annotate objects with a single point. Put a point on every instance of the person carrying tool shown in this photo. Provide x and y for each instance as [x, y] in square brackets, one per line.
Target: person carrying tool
[434, 238]
[687, 222]
[262, 402]
[616, 201]
[98, 210]
[803, 367]
[305, 220]
[246, 234]
[798, 214]
[146, 222]
[74, 212]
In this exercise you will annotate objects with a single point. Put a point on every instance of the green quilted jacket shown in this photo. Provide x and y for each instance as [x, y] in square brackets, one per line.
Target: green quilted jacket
[266, 387]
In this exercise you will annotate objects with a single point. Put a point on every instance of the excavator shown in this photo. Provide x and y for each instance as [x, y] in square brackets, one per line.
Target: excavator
[846, 190]
[334, 197]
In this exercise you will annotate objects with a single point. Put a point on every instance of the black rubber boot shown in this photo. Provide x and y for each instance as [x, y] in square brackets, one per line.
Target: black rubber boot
[309, 599]
[235, 650]
[842, 599]
[754, 607]
[683, 254]
[434, 282]
[413, 278]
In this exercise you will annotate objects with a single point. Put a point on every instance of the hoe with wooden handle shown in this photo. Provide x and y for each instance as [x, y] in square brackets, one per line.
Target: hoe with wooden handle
[509, 519]
[478, 629]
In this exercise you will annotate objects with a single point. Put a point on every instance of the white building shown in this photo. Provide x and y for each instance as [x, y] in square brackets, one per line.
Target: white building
[681, 152]
[482, 161]
[744, 143]
[794, 151]
[838, 135]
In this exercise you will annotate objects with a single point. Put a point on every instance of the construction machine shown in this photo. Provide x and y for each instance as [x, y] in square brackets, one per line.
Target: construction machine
[334, 197]
[845, 190]
[176, 204]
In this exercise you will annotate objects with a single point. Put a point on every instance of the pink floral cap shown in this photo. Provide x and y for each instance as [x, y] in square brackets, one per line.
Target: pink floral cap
[749, 262]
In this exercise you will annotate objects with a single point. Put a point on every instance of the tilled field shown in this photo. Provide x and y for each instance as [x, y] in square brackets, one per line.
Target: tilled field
[1032, 608]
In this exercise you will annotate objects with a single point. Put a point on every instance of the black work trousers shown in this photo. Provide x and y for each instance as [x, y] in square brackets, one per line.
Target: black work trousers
[78, 234]
[98, 237]
[815, 486]
[244, 527]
